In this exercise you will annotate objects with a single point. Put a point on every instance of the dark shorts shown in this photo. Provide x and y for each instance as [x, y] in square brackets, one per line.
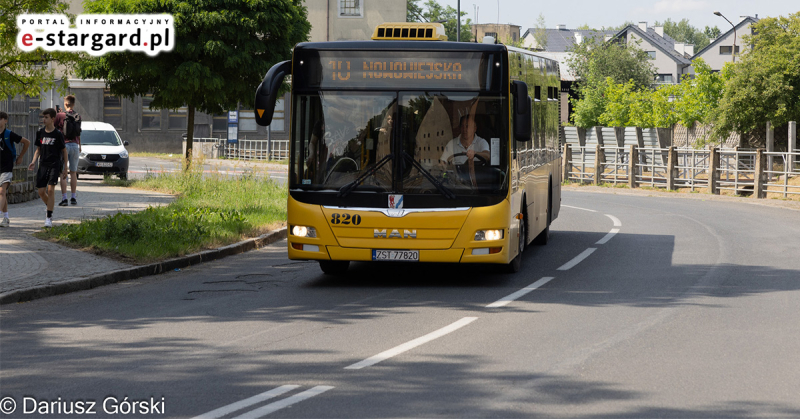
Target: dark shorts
[47, 176]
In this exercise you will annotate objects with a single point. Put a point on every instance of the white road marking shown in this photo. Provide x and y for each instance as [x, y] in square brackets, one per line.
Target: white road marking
[224, 410]
[617, 222]
[608, 236]
[578, 208]
[577, 259]
[272, 407]
[511, 297]
[397, 350]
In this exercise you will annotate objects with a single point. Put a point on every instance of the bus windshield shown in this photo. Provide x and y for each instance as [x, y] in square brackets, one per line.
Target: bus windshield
[400, 142]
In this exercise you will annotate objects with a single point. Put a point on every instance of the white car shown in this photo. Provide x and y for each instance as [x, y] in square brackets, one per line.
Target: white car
[102, 151]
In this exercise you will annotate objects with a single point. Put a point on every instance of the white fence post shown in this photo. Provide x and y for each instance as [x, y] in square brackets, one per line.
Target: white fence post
[770, 146]
[792, 146]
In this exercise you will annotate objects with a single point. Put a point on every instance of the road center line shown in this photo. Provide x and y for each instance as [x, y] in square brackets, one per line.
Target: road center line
[608, 236]
[617, 222]
[578, 208]
[272, 407]
[397, 350]
[577, 259]
[224, 410]
[511, 297]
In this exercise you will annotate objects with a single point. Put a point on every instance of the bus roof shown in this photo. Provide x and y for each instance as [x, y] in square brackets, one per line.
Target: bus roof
[402, 46]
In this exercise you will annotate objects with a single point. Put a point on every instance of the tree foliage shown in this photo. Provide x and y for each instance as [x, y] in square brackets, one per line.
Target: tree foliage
[765, 84]
[27, 73]
[540, 33]
[432, 11]
[222, 51]
[684, 32]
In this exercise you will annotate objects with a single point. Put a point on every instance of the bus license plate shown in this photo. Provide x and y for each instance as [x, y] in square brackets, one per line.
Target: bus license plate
[105, 164]
[396, 255]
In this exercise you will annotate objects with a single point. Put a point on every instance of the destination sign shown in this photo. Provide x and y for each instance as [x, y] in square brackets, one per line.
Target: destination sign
[398, 70]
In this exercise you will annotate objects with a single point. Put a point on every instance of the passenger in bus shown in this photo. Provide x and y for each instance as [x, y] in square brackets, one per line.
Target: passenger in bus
[314, 145]
[466, 146]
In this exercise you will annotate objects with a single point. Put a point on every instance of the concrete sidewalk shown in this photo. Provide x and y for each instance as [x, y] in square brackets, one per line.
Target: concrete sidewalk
[27, 262]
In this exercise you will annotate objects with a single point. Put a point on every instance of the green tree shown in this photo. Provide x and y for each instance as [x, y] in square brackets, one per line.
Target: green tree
[697, 98]
[764, 85]
[432, 11]
[712, 33]
[540, 33]
[222, 51]
[24, 72]
[684, 32]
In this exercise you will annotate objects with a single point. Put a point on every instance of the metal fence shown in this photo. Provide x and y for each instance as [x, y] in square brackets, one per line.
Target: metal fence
[737, 170]
[242, 149]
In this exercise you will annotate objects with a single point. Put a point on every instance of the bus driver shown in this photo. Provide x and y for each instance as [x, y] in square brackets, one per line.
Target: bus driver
[466, 145]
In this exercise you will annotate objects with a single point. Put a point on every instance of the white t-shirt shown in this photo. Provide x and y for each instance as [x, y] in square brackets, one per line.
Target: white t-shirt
[455, 147]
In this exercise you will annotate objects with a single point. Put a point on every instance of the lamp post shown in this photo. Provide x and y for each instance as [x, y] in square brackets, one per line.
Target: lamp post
[733, 52]
[458, 25]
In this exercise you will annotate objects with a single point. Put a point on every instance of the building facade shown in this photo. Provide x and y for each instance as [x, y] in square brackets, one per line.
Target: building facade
[502, 33]
[720, 50]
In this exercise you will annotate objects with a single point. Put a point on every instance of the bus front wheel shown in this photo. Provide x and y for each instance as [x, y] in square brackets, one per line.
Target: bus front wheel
[334, 267]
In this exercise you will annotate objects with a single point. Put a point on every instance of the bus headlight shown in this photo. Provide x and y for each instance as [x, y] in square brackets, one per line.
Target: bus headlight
[302, 231]
[482, 235]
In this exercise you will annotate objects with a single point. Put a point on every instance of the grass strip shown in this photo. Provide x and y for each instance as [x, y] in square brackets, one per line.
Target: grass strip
[210, 211]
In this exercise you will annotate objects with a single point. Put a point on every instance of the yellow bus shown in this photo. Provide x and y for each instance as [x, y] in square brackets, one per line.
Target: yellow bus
[411, 148]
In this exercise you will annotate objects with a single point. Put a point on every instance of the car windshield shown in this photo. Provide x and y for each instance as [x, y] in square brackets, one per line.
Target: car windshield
[100, 138]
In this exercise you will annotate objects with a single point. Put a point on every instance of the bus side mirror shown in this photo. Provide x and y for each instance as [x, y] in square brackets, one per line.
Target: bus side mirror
[522, 111]
[267, 92]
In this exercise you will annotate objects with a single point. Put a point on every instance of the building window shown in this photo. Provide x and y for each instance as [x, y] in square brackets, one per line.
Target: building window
[492, 34]
[664, 78]
[178, 118]
[112, 109]
[151, 118]
[220, 123]
[651, 54]
[247, 120]
[351, 8]
[726, 50]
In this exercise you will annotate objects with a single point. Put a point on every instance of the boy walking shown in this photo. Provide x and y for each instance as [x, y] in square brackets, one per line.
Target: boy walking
[69, 123]
[52, 154]
[8, 158]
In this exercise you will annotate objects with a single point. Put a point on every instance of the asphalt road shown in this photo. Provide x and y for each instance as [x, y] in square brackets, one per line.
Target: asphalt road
[685, 308]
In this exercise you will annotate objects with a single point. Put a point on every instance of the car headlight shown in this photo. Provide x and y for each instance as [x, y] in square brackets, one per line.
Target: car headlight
[482, 235]
[124, 154]
[302, 231]
[83, 155]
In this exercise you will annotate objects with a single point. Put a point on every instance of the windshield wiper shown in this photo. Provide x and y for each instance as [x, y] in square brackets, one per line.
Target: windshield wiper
[346, 189]
[443, 189]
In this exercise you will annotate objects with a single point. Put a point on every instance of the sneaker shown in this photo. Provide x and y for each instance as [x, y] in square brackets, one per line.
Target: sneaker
[48, 222]
[4, 223]
[63, 203]
[73, 201]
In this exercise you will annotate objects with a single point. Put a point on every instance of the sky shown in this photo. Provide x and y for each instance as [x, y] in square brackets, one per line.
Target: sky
[613, 13]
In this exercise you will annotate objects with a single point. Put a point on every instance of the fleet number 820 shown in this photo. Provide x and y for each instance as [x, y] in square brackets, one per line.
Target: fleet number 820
[346, 219]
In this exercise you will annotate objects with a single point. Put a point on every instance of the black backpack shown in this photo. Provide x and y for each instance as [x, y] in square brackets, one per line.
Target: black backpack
[72, 125]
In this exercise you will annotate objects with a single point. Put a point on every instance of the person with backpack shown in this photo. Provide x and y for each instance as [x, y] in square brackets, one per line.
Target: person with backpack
[51, 153]
[69, 123]
[8, 158]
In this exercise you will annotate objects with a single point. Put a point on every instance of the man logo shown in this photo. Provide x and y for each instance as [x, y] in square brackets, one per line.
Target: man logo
[395, 234]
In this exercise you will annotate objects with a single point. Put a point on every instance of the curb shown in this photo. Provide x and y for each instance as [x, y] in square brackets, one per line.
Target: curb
[120, 275]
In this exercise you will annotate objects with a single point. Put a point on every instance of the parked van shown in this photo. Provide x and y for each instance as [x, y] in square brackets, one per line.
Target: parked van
[102, 151]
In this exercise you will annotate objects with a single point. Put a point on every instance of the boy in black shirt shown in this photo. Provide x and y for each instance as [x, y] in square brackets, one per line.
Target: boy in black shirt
[7, 162]
[52, 153]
